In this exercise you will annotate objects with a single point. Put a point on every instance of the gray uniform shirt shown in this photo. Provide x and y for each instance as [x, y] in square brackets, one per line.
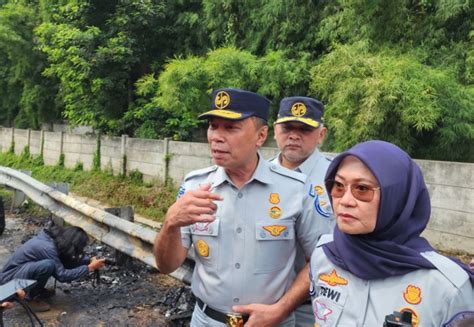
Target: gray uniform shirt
[314, 167]
[434, 296]
[247, 254]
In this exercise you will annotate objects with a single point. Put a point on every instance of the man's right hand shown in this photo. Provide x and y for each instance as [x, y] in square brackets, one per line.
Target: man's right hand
[96, 264]
[194, 206]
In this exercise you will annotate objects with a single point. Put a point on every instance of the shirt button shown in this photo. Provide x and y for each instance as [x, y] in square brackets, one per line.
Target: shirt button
[239, 230]
[236, 300]
[240, 195]
[237, 265]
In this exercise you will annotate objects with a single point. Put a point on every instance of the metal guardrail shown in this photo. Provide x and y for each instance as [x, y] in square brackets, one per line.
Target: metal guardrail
[127, 237]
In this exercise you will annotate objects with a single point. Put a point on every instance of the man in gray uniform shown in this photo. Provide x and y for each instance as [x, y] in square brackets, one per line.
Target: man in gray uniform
[243, 219]
[299, 131]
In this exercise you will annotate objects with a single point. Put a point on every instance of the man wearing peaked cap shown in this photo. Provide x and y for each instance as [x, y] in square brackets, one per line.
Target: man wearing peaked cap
[242, 219]
[299, 131]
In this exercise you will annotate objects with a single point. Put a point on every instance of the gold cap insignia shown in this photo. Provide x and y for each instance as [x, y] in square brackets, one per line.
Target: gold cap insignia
[274, 198]
[275, 230]
[298, 109]
[412, 294]
[333, 278]
[275, 212]
[222, 100]
[202, 248]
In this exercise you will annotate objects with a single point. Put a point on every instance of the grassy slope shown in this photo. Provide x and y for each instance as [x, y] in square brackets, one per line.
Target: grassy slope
[148, 199]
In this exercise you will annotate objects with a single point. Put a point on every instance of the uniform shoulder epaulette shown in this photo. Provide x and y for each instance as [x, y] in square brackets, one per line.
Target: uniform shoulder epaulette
[325, 238]
[451, 270]
[287, 172]
[200, 172]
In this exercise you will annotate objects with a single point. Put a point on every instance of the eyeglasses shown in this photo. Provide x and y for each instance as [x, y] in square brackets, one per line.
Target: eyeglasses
[361, 192]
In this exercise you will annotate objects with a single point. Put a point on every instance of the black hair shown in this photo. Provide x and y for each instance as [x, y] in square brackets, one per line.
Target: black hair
[70, 242]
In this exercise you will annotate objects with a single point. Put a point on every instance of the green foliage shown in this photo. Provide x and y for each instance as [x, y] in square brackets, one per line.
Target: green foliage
[152, 200]
[394, 98]
[135, 176]
[144, 68]
[183, 90]
[79, 166]
[61, 160]
[27, 97]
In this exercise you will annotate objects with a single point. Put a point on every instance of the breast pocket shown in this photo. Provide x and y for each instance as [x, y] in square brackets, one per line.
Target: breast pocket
[275, 245]
[206, 242]
[328, 304]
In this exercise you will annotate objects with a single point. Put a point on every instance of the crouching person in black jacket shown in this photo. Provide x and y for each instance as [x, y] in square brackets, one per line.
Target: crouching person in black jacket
[57, 252]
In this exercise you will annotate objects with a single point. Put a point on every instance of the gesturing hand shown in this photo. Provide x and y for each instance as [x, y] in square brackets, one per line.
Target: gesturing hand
[194, 206]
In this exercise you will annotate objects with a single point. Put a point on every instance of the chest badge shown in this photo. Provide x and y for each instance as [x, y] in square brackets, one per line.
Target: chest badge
[275, 230]
[274, 198]
[202, 248]
[275, 212]
[333, 278]
[412, 294]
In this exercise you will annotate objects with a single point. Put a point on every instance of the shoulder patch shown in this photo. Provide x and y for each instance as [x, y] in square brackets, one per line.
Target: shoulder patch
[288, 173]
[200, 172]
[325, 238]
[451, 270]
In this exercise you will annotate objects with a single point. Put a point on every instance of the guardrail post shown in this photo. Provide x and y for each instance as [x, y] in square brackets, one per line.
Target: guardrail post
[18, 196]
[127, 214]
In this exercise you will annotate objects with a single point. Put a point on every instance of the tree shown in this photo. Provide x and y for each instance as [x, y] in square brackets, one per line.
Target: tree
[394, 97]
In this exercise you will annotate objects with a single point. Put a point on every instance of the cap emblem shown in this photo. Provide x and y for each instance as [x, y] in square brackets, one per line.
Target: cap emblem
[298, 109]
[222, 100]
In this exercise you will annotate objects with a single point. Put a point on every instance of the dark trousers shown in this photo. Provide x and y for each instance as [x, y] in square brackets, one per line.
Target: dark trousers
[39, 271]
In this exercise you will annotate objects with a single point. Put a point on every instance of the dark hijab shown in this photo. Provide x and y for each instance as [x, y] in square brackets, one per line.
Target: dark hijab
[394, 247]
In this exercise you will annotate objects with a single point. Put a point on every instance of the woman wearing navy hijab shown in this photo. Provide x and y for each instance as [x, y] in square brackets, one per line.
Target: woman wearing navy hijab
[376, 263]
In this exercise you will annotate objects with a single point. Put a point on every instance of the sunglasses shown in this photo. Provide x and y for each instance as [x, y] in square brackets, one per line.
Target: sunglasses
[360, 191]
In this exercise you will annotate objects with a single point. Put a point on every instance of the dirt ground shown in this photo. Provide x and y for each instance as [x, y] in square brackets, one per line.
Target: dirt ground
[131, 295]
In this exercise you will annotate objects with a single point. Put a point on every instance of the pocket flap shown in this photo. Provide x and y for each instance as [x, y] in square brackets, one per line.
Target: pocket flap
[208, 229]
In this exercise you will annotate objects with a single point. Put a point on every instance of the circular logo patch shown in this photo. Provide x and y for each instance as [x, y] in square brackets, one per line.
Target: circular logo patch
[222, 100]
[202, 248]
[275, 212]
[298, 109]
[415, 319]
[319, 189]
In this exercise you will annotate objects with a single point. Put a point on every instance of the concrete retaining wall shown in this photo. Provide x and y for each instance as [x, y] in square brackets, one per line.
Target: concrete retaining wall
[451, 184]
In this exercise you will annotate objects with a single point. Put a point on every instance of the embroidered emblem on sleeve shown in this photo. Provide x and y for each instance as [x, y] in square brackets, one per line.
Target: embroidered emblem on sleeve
[412, 294]
[333, 278]
[274, 198]
[181, 191]
[202, 248]
[275, 230]
[415, 319]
